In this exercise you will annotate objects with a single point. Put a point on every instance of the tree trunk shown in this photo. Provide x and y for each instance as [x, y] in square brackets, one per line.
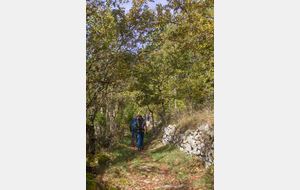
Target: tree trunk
[106, 110]
[91, 133]
[163, 107]
[175, 99]
[111, 112]
[152, 117]
[87, 145]
[102, 122]
[164, 112]
[191, 95]
[175, 105]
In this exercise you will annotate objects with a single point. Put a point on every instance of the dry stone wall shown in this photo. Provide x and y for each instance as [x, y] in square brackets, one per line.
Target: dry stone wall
[199, 142]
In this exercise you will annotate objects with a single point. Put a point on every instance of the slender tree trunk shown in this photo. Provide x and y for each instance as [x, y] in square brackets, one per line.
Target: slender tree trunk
[163, 107]
[102, 122]
[111, 112]
[175, 99]
[175, 105]
[164, 112]
[90, 128]
[87, 145]
[152, 117]
[191, 95]
[105, 121]
[91, 133]
[106, 110]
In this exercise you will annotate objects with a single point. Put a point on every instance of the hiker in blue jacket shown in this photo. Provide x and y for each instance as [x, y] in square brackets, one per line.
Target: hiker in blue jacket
[140, 132]
[133, 130]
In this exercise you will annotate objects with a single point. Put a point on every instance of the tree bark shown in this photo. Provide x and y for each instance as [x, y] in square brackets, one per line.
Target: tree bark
[106, 110]
[91, 133]
[163, 107]
[191, 95]
[152, 117]
[175, 97]
[90, 129]
[164, 112]
[111, 112]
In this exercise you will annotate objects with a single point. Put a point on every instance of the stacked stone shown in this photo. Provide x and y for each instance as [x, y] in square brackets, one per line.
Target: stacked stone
[192, 142]
[169, 134]
[149, 124]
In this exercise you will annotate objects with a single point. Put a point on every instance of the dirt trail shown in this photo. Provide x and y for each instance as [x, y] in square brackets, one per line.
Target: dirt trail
[133, 169]
[154, 177]
[148, 175]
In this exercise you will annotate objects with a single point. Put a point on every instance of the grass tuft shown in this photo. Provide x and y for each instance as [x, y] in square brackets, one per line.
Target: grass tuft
[192, 120]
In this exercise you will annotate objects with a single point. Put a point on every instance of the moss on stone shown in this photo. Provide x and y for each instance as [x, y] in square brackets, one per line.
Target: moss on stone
[102, 159]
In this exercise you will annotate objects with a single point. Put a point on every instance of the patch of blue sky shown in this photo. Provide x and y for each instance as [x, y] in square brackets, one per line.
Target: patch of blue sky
[151, 5]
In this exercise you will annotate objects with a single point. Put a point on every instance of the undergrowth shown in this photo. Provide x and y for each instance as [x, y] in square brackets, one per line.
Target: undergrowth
[192, 120]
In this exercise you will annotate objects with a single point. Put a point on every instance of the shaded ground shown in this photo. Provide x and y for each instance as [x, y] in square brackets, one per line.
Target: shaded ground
[155, 167]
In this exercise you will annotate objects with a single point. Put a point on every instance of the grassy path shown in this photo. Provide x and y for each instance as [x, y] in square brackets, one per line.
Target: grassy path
[158, 166]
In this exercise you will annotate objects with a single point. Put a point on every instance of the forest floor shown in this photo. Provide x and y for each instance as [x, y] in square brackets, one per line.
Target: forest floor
[157, 166]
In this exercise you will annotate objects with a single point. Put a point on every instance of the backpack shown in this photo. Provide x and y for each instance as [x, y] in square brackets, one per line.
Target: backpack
[133, 122]
[140, 124]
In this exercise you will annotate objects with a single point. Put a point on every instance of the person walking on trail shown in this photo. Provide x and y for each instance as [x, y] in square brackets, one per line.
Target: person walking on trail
[144, 117]
[140, 132]
[133, 130]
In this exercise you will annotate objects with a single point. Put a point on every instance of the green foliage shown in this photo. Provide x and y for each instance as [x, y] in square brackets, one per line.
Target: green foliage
[179, 58]
[144, 60]
[101, 119]
[130, 112]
